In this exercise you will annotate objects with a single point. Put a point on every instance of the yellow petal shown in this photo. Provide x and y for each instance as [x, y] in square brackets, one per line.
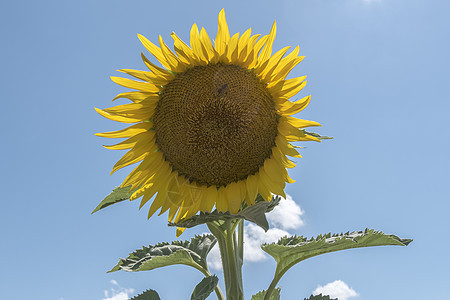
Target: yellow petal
[223, 35]
[148, 175]
[232, 49]
[286, 65]
[286, 107]
[292, 133]
[154, 50]
[250, 58]
[127, 132]
[180, 230]
[139, 192]
[136, 154]
[138, 97]
[273, 170]
[266, 69]
[294, 91]
[145, 170]
[287, 87]
[196, 45]
[262, 188]
[243, 44]
[272, 186]
[133, 110]
[193, 193]
[128, 113]
[287, 178]
[285, 147]
[207, 45]
[243, 189]
[256, 49]
[209, 198]
[145, 76]
[118, 118]
[171, 197]
[159, 72]
[175, 195]
[233, 194]
[172, 212]
[283, 63]
[190, 204]
[136, 85]
[160, 198]
[129, 143]
[183, 211]
[156, 204]
[222, 203]
[282, 159]
[159, 180]
[146, 196]
[252, 189]
[276, 174]
[183, 51]
[299, 123]
[173, 61]
[142, 75]
[193, 209]
[187, 212]
[267, 51]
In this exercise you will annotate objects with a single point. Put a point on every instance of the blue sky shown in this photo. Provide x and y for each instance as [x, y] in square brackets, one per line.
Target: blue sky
[378, 74]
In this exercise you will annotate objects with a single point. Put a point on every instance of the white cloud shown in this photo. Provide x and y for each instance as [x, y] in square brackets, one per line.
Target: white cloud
[254, 236]
[118, 292]
[119, 296]
[336, 289]
[213, 259]
[287, 215]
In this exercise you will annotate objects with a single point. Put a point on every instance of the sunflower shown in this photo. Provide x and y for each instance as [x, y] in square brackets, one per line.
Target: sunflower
[213, 126]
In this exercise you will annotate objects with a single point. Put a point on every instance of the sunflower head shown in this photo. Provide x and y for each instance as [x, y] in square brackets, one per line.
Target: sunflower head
[212, 126]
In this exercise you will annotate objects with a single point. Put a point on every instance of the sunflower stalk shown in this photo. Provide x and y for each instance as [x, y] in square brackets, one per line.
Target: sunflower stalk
[241, 240]
[230, 246]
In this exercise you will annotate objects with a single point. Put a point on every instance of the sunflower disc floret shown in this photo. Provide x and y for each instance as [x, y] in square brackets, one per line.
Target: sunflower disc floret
[222, 113]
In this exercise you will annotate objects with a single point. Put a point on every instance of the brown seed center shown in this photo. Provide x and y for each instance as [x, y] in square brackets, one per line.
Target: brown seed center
[216, 124]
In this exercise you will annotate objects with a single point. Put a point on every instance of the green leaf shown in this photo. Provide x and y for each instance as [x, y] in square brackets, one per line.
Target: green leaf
[204, 288]
[147, 295]
[289, 251]
[275, 201]
[255, 213]
[320, 297]
[320, 137]
[117, 195]
[191, 253]
[274, 296]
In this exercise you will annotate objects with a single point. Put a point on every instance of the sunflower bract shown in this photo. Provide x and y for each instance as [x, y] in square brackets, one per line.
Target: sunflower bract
[213, 125]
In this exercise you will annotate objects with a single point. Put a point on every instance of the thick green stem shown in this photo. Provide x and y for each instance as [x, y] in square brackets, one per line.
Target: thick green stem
[231, 260]
[234, 264]
[241, 240]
